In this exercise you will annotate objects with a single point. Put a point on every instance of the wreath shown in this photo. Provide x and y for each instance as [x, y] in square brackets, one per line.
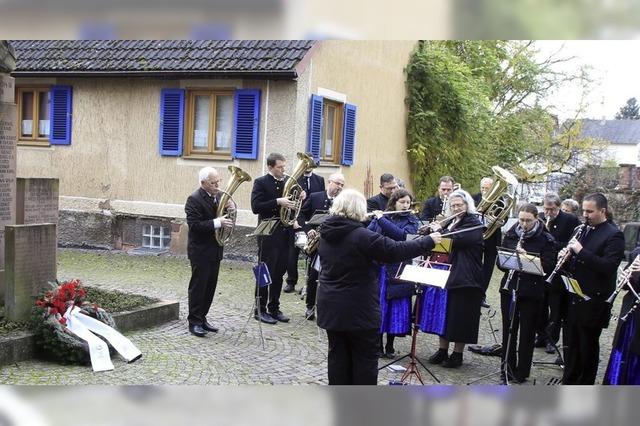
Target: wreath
[53, 339]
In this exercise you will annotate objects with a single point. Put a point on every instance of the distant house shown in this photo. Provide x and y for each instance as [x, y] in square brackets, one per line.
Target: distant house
[622, 136]
[126, 124]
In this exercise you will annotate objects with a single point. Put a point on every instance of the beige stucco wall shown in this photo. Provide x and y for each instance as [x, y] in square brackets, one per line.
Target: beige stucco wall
[113, 161]
[371, 75]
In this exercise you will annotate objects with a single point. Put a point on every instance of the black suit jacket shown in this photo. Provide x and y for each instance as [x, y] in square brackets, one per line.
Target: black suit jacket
[201, 211]
[266, 189]
[562, 227]
[377, 202]
[318, 201]
[595, 269]
[431, 208]
[313, 183]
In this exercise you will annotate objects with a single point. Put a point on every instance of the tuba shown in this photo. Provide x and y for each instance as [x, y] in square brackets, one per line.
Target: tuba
[238, 176]
[293, 190]
[499, 200]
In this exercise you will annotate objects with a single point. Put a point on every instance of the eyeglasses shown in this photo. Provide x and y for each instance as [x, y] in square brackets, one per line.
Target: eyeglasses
[337, 183]
[526, 220]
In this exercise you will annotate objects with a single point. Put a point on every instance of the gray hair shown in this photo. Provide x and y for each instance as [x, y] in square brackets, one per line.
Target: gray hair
[485, 179]
[552, 197]
[336, 175]
[350, 204]
[573, 204]
[204, 173]
[466, 197]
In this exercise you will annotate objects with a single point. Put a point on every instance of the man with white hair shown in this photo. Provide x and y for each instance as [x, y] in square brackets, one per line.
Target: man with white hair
[316, 203]
[203, 250]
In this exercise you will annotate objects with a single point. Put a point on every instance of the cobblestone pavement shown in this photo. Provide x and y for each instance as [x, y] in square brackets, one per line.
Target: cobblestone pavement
[294, 353]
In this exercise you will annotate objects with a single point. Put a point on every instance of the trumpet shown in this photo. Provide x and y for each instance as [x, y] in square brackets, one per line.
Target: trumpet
[624, 280]
[566, 255]
[425, 228]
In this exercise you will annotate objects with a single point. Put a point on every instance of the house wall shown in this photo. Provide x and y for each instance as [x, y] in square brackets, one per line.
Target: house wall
[623, 153]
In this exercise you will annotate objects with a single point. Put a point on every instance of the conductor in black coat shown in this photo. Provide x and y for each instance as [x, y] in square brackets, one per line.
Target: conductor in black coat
[432, 207]
[388, 184]
[310, 183]
[203, 250]
[348, 294]
[266, 201]
[596, 256]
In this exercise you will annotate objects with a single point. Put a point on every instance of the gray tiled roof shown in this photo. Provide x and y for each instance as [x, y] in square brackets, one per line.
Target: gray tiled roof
[614, 131]
[263, 57]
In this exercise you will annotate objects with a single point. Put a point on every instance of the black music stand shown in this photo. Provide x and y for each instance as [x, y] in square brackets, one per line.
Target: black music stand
[514, 262]
[264, 228]
[412, 368]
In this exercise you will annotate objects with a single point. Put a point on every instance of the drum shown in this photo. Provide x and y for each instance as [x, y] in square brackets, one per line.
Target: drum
[300, 239]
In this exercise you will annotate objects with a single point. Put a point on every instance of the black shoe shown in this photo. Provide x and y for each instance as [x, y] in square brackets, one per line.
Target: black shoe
[265, 317]
[490, 350]
[559, 360]
[550, 349]
[438, 357]
[289, 288]
[540, 342]
[310, 314]
[280, 317]
[454, 360]
[197, 330]
[389, 353]
[209, 327]
[484, 304]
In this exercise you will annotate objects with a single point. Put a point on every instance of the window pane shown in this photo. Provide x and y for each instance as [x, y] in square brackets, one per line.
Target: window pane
[146, 242]
[146, 230]
[156, 242]
[224, 111]
[27, 113]
[328, 143]
[43, 114]
[201, 122]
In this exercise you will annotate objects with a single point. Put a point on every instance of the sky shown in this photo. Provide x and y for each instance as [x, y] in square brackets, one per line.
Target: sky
[615, 67]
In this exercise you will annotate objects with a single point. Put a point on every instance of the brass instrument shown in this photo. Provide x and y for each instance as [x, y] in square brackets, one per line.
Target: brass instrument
[446, 209]
[499, 200]
[312, 245]
[566, 255]
[624, 280]
[425, 228]
[238, 176]
[293, 191]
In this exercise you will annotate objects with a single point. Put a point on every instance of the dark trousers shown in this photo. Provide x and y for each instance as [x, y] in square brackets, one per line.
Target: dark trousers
[292, 263]
[312, 284]
[543, 317]
[523, 333]
[353, 357]
[558, 305]
[274, 251]
[202, 287]
[488, 263]
[581, 355]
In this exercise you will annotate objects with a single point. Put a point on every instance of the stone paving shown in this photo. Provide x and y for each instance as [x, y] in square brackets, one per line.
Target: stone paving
[294, 353]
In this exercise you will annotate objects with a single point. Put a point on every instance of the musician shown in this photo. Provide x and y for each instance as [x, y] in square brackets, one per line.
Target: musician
[266, 202]
[553, 310]
[310, 183]
[490, 244]
[396, 311]
[624, 362]
[348, 295]
[433, 206]
[570, 206]
[464, 285]
[528, 235]
[595, 259]
[203, 250]
[388, 184]
[315, 203]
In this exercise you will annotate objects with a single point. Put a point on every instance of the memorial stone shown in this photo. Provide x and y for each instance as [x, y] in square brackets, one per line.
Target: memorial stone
[36, 201]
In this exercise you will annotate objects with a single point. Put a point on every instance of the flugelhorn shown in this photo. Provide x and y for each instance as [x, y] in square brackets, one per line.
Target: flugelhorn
[566, 255]
[238, 176]
[293, 191]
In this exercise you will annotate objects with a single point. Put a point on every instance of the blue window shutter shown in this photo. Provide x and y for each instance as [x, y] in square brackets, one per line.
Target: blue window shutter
[349, 135]
[171, 121]
[60, 113]
[315, 127]
[246, 121]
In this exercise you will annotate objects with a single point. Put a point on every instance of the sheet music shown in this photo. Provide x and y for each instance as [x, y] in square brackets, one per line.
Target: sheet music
[526, 263]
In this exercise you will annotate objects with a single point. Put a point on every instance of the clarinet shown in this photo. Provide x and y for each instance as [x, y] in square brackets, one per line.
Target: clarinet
[624, 278]
[630, 311]
[567, 254]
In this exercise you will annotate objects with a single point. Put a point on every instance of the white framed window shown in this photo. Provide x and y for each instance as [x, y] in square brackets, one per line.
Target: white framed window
[155, 236]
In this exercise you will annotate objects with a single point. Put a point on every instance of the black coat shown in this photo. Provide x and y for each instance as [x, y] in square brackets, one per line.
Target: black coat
[348, 291]
[311, 184]
[377, 202]
[431, 208]
[595, 270]
[266, 189]
[542, 244]
[562, 227]
[316, 202]
[629, 300]
[466, 254]
[201, 211]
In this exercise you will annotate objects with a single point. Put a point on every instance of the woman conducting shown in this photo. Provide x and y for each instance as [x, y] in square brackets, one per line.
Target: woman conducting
[348, 294]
